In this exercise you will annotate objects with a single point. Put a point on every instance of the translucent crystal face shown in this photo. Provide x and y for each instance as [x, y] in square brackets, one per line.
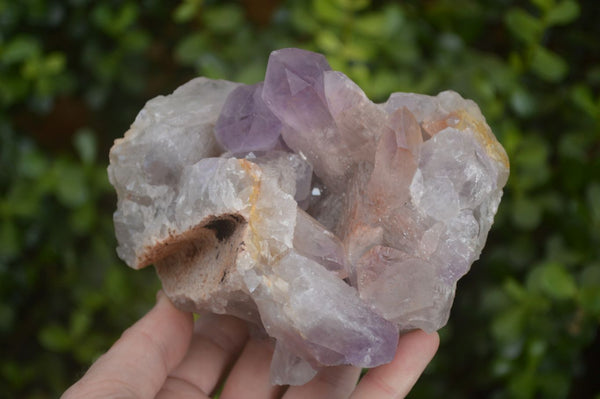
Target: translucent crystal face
[246, 123]
[328, 221]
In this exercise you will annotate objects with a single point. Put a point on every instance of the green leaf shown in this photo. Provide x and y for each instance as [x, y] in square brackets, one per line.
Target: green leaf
[508, 326]
[514, 290]
[593, 201]
[251, 73]
[530, 168]
[583, 97]
[544, 5]
[374, 25]
[32, 68]
[501, 367]
[101, 16]
[12, 89]
[85, 144]
[534, 280]
[395, 19]
[523, 102]
[32, 163]
[537, 348]
[353, 5]
[93, 300]
[225, 18]
[124, 17]
[556, 247]
[189, 49]
[358, 50]
[54, 63]
[548, 65]
[10, 240]
[589, 298]
[562, 13]
[135, 41]
[381, 84]
[328, 41]
[115, 284]
[55, 338]
[82, 219]
[187, 10]
[303, 19]
[522, 385]
[327, 12]
[526, 213]
[71, 186]
[556, 281]
[99, 180]
[23, 199]
[211, 66]
[523, 25]
[20, 49]
[79, 323]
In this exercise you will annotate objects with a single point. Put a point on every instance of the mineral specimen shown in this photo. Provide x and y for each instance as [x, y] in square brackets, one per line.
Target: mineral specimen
[327, 221]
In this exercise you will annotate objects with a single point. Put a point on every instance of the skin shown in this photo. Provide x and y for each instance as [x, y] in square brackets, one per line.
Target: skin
[166, 355]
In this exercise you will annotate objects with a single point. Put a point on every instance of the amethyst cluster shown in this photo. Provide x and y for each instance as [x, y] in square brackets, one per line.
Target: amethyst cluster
[328, 222]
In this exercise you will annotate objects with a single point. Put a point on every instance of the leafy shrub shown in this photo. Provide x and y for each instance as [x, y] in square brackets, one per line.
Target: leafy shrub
[74, 74]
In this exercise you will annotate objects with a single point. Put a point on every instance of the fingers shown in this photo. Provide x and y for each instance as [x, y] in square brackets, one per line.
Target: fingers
[395, 380]
[216, 344]
[152, 355]
[331, 382]
[138, 363]
[249, 378]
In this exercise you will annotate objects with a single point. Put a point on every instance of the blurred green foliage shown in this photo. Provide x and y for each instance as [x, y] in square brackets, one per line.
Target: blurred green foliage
[73, 74]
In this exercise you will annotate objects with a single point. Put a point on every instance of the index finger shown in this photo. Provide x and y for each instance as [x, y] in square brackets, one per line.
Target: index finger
[137, 365]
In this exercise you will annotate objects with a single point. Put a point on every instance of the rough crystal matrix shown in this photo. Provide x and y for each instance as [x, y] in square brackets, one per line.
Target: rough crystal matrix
[328, 221]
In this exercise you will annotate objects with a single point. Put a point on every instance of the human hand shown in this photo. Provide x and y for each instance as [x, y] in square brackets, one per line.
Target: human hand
[164, 355]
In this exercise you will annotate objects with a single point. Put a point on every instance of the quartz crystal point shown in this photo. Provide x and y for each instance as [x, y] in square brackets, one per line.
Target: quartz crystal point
[326, 221]
[295, 91]
[246, 124]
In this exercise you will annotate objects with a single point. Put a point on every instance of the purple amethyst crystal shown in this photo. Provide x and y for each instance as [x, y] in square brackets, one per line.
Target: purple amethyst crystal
[329, 222]
[294, 88]
[245, 123]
